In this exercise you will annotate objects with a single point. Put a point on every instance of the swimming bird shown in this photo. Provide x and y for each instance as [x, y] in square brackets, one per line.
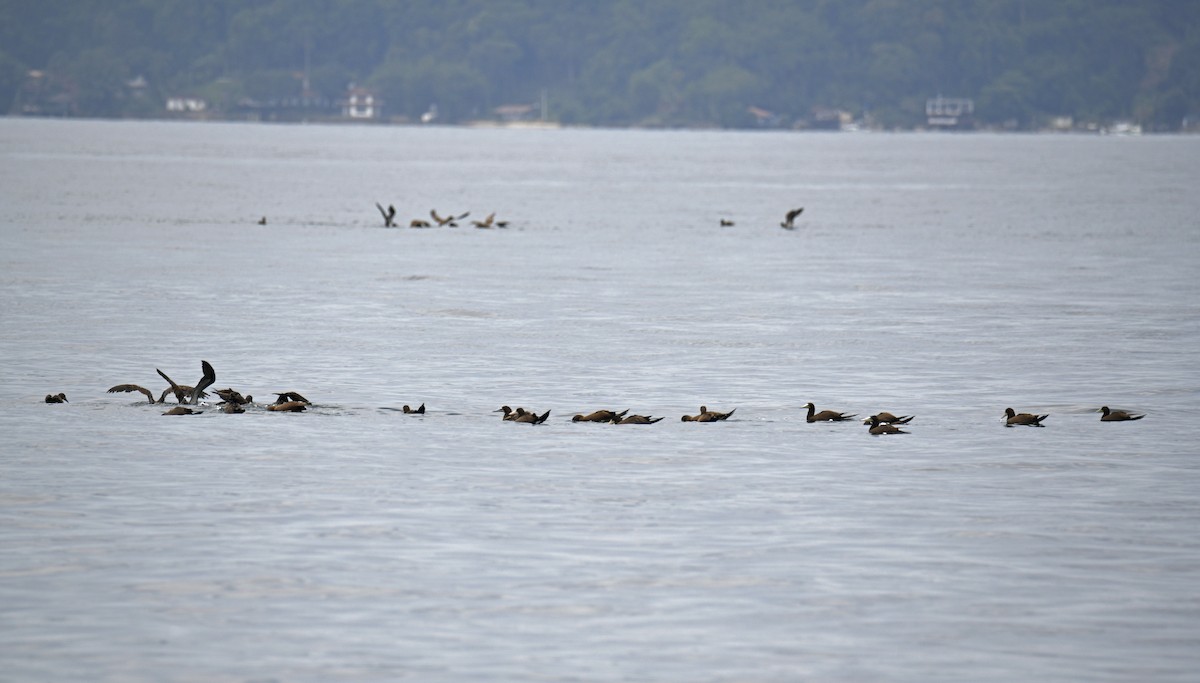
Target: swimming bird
[878, 428]
[702, 417]
[206, 380]
[718, 414]
[183, 410]
[56, 398]
[509, 413]
[1014, 418]
[725, 223]
[389, 216]
[791, 216]
[262, 221]
[415, 411]
[600, 416]
[890, 419]
[1117, 415]
[181, 391]
[132, 387]
[286, 396]
[233, 408]
[418, 223]
[531, 418]
[825, 415]
[233, 396]
[637, 420]
[288, 407]
[447, 221]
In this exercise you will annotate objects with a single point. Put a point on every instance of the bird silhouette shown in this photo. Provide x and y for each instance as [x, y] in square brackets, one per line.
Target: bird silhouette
[788, 221]
[389, 216]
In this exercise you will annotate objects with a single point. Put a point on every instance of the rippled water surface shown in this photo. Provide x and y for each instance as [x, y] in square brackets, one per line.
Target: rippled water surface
[948, 277]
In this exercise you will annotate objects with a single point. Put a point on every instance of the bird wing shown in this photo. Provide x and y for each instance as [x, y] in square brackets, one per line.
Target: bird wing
[180, 394]
[207, 379]
[126, 388]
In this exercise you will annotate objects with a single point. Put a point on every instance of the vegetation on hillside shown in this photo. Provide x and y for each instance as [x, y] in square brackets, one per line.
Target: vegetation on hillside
[612, 62]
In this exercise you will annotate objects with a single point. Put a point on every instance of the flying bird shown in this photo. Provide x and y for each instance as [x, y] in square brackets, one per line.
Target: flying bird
[791, 216]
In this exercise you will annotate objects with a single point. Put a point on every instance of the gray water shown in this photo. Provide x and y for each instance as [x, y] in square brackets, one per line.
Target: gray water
[947, 276]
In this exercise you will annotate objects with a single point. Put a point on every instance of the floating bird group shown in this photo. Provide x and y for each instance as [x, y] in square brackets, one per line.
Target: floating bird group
[439, 221]
[233, 401]
[451, 221]
[521, 415]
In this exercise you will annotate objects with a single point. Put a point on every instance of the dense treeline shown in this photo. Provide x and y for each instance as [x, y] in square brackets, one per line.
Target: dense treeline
[614, 62]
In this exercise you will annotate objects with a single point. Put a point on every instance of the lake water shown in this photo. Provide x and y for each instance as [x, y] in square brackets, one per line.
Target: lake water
[946, 276]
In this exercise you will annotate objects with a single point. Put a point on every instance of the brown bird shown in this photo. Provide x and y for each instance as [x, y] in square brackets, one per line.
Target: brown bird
[706, 415]
[485, 223]
[878, 428]
[389, 216]
[888, 418]
[56, 398]
[182, 392]
[638, 420]
[233, 396]
[418, 223]
[415, 411]
[791, 216]
[719, 415]
[825, 415]
[289, 396]
[132, 387]
[447, 221]
[289, 407]
[183, 410]
[232, 408]
[207, 378]
[1014, 418]
[1117, 415]
[600, 416]
[509, 413]
[531, 418]
[725, 223]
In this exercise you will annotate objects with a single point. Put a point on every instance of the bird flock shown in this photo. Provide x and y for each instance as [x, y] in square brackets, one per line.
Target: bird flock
[233, 401]
[451, 221]
[439, 221]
